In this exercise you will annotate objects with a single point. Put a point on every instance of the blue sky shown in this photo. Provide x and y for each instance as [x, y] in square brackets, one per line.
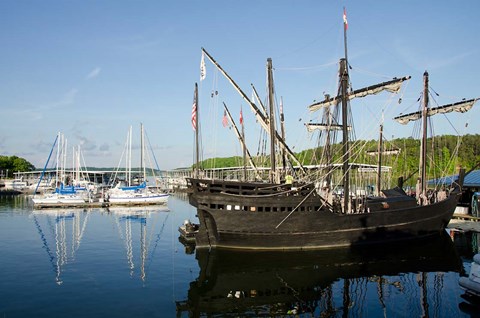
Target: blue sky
[90, 69]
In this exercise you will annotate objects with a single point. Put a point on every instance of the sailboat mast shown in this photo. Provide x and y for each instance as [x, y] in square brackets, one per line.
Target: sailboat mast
[244, 146]
[78, 164]
[379, 167]
[282, 127]
[346, 172]
[258, 99]
[344, 88]
[328, 152]
[195, 118]
[129, 158]
[57, 166]
[345, 27]
[423, 145]
[64, 161]
[142, 153]
[273, 168]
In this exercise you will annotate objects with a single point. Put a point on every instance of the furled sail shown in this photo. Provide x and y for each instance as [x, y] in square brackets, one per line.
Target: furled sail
[384, 152]
[319, 126]
[461, 107]
[392, 86]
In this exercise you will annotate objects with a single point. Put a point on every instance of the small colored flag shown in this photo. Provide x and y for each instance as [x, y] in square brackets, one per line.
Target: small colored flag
[203, 70]
[194, 116]
[225, 120]
[345, 18]
[194, 111]
[241, 117]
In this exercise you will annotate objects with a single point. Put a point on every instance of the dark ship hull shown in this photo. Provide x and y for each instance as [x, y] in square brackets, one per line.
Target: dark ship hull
[239, 215]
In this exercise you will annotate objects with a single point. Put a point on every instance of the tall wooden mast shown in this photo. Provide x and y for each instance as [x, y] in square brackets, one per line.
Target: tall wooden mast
[344, 92]
[345, 146]
[273, 166]
[423, 144]
[282, 130]
[379, 167]
[195, 124]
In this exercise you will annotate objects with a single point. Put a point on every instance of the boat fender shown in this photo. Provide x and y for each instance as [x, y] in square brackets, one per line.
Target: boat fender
[385, 206]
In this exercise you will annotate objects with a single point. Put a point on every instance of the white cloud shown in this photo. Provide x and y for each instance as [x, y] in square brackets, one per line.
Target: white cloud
[94, 73]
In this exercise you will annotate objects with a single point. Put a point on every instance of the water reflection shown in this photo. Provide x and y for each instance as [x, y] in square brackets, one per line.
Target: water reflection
[61, 232]
[466, 243]
[15, 204]
[357, 282]
[131, 223]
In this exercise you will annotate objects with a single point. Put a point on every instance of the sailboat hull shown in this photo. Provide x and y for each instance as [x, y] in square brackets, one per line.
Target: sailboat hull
[138, 199]
[272, 223]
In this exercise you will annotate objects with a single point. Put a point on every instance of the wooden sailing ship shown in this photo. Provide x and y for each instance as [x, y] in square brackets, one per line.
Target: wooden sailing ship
[278, 216]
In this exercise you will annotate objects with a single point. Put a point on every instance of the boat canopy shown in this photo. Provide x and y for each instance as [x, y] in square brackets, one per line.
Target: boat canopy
[141, 186]
[68, 189]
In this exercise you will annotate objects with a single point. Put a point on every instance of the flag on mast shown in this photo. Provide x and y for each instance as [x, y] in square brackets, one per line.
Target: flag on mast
[345, 18]
[203, 70]
[225, 120]
[194, 111]
[241, 116]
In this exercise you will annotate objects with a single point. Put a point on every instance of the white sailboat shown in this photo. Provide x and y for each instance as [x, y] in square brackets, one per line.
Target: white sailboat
[64, 195]
[139, 194]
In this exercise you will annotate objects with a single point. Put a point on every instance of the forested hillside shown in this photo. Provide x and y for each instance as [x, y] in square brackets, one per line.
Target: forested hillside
[445, 154]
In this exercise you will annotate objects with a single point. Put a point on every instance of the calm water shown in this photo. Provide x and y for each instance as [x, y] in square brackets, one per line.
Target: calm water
[129, 263]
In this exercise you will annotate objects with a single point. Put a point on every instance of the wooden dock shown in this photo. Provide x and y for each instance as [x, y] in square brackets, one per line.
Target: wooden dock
[95, 204]
[86, 205]
[465, 222]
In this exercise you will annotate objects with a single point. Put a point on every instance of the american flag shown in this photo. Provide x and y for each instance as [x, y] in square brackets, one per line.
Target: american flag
[225, 120]
[194, 116]
[194, 111]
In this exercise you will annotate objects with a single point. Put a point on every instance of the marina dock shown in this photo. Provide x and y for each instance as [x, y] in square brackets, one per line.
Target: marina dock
[463, 222]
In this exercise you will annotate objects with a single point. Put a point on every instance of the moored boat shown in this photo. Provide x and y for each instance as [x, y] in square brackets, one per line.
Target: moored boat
[61, 198]
[279, 216]
[135, 194]
[471, 284]
[271, 216]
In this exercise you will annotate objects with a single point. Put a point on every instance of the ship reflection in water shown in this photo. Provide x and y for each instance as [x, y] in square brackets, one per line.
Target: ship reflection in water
[360, 282]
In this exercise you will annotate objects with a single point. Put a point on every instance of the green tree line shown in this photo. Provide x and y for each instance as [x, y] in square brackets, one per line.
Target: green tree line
[445, 154]
[11, 164]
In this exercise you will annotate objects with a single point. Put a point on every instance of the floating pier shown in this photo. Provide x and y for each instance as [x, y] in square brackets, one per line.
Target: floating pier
[464, 222]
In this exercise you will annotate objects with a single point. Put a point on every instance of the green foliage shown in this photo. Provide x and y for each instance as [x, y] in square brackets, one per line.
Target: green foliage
[14, 164]
[445, 155]
[221, 162]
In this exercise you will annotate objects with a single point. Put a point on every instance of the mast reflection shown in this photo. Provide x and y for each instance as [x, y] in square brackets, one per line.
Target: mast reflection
[61, 232]
[357, 282]
[131, 220]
